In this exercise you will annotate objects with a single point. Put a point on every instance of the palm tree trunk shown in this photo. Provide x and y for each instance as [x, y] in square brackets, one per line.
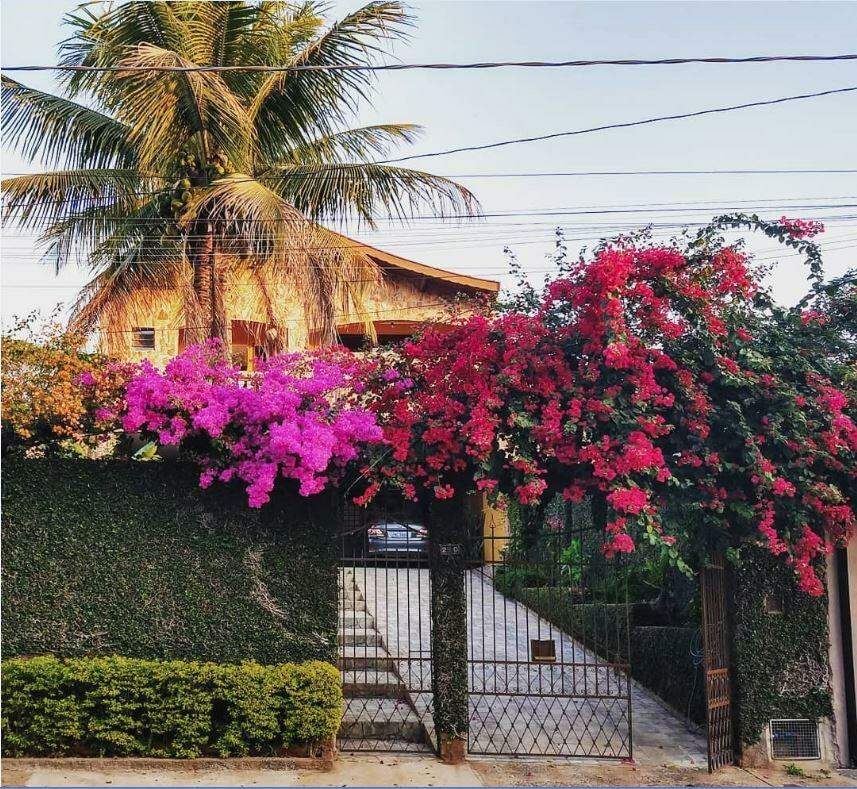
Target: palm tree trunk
[207, 318]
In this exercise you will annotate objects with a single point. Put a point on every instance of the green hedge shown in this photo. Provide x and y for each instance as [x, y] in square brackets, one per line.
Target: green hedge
[110, 557]
[781, 659]
[662, 658]
[120, 706]
[668, 661]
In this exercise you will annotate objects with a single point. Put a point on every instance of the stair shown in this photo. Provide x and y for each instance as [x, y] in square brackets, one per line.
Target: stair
[378, 714]
[370, 683]
[381, 719]
[359, 637]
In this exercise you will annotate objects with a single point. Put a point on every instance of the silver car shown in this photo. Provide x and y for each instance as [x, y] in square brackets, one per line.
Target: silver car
[396, 540]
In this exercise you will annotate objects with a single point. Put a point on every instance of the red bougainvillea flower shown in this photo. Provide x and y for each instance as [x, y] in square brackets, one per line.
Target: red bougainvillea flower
[641, 376]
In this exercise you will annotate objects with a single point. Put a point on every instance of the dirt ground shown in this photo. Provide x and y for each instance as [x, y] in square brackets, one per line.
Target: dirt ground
[371, 770]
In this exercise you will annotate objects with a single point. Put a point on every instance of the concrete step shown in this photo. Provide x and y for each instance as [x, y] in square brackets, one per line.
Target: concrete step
[352, 605]
[366, 661]
[368, 683]
[356, 619]
[380, 719]
[358, 637]
[387, 745]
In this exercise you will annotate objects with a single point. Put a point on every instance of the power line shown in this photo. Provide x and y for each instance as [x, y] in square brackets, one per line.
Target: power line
[827, 245]
[500, 272]
[625, 125]
[445, 66]
[803, 202]
[587, 173]
[551, 174]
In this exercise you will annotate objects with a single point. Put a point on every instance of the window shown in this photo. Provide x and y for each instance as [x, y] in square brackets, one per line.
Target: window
[143, 338]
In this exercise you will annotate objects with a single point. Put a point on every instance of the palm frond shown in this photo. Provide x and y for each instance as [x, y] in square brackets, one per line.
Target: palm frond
[250, 218]
[328, 192]
[255, 224]
[294, 107]
[39, 199]
[354, 144]
[278, 31]
[101, 234]
[165, 110]
[61, 132]
[333, 277]
[216, 29]
[128, 285]
[105, 36]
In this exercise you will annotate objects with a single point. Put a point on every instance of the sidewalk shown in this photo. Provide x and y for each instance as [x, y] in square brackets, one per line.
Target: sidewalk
[387, 770]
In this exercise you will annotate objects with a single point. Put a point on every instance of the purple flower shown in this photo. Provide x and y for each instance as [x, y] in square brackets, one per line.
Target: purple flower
[299, 418]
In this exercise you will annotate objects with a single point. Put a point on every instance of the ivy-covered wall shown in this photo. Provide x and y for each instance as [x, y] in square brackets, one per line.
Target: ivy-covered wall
[781, 659]
[108, 557]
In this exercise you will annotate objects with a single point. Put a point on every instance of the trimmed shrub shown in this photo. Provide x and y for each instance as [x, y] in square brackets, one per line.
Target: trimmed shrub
[117, 557]
[601, 627]
[668, 661]
[118, 706]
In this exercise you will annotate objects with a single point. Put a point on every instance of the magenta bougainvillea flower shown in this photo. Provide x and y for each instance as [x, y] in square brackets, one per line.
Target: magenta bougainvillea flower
[296, 418]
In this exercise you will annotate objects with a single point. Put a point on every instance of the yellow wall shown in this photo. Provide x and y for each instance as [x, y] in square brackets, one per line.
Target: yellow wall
[398, 297]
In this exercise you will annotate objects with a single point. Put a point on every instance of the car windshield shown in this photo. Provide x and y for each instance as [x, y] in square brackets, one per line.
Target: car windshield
[399, 529]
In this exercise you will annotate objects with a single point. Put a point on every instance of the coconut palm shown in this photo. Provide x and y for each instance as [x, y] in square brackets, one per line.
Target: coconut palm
[176, 178]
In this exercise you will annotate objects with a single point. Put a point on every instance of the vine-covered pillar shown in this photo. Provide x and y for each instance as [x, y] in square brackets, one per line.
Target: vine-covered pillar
[448, 523]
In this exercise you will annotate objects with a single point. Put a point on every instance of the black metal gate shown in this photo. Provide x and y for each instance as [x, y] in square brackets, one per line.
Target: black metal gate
[547, 636]
[385, 630]
[548, 640]
[718, 695]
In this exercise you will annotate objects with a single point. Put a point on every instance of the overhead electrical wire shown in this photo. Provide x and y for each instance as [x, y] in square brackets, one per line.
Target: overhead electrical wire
[503, 272]
[605, 173]
[568, 174]
[829, 243]
[624, 125]
[446, 66]
[694, 206]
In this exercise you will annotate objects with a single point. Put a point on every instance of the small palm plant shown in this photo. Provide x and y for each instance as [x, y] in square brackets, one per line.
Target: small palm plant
[176, 179]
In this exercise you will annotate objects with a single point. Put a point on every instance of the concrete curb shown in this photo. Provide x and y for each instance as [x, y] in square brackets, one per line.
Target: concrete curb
[324, 762]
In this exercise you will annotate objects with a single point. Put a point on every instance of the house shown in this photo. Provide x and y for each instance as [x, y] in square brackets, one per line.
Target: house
[407, 295]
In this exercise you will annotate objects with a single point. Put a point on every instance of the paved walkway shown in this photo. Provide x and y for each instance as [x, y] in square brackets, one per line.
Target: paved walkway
[576, 706]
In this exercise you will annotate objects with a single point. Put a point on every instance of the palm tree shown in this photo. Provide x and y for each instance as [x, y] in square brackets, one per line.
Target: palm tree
[172, 179]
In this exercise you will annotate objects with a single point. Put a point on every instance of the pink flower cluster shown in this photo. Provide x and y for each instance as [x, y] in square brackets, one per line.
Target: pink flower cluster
[298, 417]
[801, 228]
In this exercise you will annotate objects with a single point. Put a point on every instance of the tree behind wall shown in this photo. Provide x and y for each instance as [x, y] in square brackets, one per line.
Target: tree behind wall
[168, 180]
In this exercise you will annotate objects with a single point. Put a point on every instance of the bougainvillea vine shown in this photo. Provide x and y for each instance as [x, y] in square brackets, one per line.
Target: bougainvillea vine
[650, 375]
[297, 418]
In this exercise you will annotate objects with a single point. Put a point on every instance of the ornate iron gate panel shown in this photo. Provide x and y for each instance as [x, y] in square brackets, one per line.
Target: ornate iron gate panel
[718, 695]
[385, 630]
[548, 641]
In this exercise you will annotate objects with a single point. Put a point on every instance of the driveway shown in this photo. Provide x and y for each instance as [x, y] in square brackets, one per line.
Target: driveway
[576, 706]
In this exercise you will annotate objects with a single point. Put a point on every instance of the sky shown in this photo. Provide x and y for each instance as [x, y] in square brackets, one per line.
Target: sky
[473, 107]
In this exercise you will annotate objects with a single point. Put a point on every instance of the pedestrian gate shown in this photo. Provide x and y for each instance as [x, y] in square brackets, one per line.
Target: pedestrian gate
[715, 635]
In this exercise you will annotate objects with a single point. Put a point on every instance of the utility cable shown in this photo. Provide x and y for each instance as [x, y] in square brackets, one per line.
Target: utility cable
[444, 66]
[625, 125]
